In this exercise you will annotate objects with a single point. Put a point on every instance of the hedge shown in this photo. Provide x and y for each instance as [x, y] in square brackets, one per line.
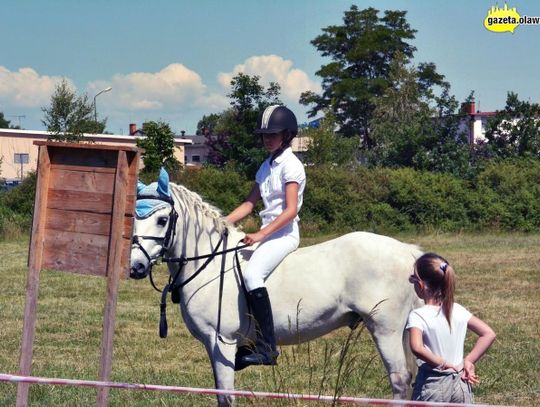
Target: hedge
[505, 196]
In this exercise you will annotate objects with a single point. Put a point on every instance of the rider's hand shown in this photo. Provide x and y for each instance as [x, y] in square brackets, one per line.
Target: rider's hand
[252, 238]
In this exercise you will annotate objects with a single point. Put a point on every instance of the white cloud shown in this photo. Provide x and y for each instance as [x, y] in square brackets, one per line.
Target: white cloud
[173, 88]
[273, 68]
[26, 88]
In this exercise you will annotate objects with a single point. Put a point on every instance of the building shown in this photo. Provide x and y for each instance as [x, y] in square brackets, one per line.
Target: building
[475, 123]
[196, 153]
[19, 154]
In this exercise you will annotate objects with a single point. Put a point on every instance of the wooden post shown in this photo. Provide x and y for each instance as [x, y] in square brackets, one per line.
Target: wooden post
[34, 268]
[83, 222]
[113, 274]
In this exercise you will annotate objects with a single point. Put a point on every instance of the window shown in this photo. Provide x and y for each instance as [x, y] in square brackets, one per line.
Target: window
[195, 158]
[21, 158]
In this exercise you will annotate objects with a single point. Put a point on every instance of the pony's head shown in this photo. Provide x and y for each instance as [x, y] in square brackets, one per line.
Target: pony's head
[154, 226]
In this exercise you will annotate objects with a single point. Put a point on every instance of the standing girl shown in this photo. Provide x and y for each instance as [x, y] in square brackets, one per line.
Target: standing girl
[280, 183]
[437, 335]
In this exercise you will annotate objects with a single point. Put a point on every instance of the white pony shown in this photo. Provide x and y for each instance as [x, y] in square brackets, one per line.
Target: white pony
[339, 283]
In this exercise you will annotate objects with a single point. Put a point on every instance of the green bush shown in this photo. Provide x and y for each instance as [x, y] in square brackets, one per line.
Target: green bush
[223, 188]
[511, 190]
[504, 196]
[430, 200]
[16, 207]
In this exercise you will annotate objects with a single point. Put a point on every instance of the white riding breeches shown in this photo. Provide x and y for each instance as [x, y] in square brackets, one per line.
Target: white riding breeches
[269, 254]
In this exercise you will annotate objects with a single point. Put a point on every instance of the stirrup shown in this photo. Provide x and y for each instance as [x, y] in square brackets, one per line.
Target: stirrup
[240, 353]
[259, 358]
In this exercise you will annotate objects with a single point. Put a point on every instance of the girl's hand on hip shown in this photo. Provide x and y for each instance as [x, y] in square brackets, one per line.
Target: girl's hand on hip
[252, 238]
[469, 374]
[446, 366]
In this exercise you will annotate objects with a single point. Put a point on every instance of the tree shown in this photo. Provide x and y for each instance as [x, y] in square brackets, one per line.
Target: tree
[327, 147]
[230, 134]
[4, 124]
[361, 52]
[158, 143]
[207, 124]
[413, 127]
[515, 131]
[69, 116]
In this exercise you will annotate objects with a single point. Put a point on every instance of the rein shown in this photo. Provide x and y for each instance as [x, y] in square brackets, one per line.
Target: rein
[173, 286]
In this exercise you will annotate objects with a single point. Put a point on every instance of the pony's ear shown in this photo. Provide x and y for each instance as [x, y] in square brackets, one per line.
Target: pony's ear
[140, 186]
[163, 182]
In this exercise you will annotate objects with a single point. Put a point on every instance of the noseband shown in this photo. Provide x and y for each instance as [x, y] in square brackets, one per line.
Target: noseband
[164, 241]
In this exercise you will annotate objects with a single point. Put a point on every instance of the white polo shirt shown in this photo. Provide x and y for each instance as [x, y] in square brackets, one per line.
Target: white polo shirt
[272, 178]
[436, 333]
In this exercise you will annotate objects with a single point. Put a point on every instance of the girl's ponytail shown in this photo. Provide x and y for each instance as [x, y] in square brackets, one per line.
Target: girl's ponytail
[447, 290]
[439, 277]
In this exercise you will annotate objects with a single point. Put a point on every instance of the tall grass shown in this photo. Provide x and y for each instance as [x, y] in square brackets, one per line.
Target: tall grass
[498, 281]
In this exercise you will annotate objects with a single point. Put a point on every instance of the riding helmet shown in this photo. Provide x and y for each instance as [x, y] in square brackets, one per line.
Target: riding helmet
[275, 119]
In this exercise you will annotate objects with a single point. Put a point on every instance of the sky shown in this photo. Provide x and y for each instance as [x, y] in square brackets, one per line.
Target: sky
[172, 60]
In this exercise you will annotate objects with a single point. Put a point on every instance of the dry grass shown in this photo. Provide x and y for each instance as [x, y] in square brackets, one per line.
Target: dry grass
[498, 281]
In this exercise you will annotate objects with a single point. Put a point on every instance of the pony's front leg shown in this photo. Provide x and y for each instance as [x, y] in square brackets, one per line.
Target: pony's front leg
[222, 358]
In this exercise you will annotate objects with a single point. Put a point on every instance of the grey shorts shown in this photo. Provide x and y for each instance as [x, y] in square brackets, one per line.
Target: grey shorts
[441, 386]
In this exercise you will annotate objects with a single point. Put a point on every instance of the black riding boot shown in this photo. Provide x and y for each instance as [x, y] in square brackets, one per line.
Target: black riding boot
[265, 352]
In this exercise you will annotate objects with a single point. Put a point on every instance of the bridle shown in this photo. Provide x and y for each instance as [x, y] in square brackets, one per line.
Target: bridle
[164, 241]
[174, 286]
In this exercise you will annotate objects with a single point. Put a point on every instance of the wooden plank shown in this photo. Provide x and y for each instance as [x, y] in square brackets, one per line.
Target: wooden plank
[133, 162]
[128, 227]
[105, 158]
[35, 259]
[130, 204]
[85, 222]
[113, 274]
[87, 181]
[78, 222]
[80, 253]
[82, 168]
[86, 146]
[86, 202]
[80, 201]
[126, 257]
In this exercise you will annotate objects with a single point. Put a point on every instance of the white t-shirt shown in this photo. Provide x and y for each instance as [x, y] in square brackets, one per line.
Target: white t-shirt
[436, 333]
[272, 179]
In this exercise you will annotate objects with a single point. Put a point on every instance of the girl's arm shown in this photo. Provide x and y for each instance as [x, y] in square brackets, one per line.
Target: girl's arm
[288, 214]
[486, 336]
[246, 207]
[420, 351]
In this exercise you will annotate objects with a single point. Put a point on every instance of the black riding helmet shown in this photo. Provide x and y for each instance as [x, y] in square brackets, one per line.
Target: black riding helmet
[275, 119]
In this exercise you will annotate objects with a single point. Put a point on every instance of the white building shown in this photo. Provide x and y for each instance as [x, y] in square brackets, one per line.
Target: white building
[475, 123]
[19, 154]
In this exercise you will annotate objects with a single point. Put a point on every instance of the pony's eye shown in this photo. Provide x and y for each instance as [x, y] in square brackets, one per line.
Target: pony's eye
[162, 221]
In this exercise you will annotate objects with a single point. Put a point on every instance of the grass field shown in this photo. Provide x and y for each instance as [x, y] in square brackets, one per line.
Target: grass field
[498, 280]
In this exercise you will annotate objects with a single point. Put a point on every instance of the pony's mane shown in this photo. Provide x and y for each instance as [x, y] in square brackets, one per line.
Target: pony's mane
[193, 200]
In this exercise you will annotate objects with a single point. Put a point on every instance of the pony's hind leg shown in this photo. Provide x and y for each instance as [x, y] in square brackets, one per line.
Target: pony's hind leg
[390, 345]
[222, 358]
